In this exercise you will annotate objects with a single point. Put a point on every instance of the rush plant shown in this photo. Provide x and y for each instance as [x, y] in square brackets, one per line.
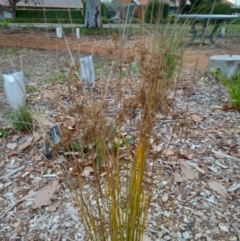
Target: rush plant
[114, 205]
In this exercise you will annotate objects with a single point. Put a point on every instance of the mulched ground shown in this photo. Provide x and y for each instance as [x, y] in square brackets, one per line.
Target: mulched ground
[203, 158]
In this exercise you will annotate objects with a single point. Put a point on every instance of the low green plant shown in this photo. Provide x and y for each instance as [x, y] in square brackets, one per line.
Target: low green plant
[135, 68]
[133, 21]
[31, 88]
[3, 133]
[59, 78]
[21, 119]
[5, 23]
[26, 74]
[171, 62]
[11, 50]
[30, 26]
[232, 85]
[77, 147]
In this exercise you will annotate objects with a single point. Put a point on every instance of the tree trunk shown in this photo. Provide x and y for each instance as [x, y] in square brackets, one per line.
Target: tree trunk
[13, 4]
[181, 7]
[93, 14]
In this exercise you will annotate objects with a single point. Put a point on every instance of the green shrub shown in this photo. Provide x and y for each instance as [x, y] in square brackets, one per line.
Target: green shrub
[133, 20]
[115, 21]
[235, 10]
[128, 10]
[42, 20]
[104, 20]
[222, 8]
[104, 10]
[156, 11]
[205, 7]
[48, 14]
[171, 18]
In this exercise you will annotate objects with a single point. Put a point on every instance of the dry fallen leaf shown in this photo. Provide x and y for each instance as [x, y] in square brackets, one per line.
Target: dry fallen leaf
[36, 136]
[12, 153]
[70, 123]
[189, 156]
[15, 137]
[12, 166]
[178, 177]
[26, 144]
[11, 146]
[159, 116]
[218, 187]
[87, 171]
[168, 152]
[157, 148]
[30, 194]
[203, 165]
[54, 207]
[37, 157]
[44, 196]
[197, 118]
[187, 170]
[166, 110]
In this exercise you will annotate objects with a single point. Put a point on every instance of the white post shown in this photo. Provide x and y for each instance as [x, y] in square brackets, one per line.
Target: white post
[15, 88]
[59, 31]
[87, 70]
[78, 33]
[223, 31]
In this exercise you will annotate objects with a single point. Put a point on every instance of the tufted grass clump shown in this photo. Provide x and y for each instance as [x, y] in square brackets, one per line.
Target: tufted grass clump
[232, 85]
[21, 119]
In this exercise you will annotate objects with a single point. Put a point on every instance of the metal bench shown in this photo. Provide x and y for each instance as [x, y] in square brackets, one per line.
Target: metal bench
[204, 18]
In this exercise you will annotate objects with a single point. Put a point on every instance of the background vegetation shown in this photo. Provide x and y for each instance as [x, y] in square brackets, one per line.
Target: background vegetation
[155, 9]
[205, 7]
[49, 16]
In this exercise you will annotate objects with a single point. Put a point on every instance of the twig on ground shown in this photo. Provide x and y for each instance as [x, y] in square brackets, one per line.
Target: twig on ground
[223, 155]
[12, 172]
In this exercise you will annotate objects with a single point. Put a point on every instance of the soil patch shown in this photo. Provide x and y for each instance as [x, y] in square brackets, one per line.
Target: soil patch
[38, 39]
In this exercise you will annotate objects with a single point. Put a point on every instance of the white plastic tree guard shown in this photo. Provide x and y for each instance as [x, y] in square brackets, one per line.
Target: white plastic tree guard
[78, 33]
[15, 88]
[87, 70]
[229, 65]
[223, 32]
[59, 31]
